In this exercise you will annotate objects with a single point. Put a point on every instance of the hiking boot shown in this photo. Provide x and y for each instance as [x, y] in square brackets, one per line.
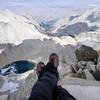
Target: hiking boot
[40, 67]
[53, 58]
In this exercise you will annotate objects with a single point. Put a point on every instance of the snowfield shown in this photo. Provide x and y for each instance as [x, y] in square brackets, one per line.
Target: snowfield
[23, 38]
[14, 29]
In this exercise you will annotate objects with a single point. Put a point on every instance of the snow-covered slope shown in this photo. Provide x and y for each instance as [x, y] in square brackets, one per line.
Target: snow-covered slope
[89, 21]
[90, 16]
[59, 23]
[84, 28]
[13, 81]
[27, 34]
[14, 28]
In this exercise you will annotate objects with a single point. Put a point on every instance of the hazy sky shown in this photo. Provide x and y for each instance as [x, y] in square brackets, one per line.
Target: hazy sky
[50, 3]
[47, 9]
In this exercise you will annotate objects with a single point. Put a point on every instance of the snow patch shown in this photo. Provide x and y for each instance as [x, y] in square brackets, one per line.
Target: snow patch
[65, 40]
[1, 50]
[9, 86]
[15, 29]
[24, 75]
[84, 92]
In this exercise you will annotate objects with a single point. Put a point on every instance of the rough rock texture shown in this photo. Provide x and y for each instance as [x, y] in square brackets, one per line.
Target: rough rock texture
[98, 64]
[1, 81]
[84, 69]
[3, 97]
[25, 85]
[36, 50]
[86, 53]
[91, 66]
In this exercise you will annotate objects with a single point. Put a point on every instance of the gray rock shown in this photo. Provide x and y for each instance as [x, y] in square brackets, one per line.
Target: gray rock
[86, 53]
[74, 68]
[82, 64]
[26, 82]
[80, 74]
[91, 66]
[1, 81]
[88, 75]
[98, 64]
[3, 97]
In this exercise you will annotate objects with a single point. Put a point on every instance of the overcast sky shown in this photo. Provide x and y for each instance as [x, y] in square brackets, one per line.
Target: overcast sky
[50, 3]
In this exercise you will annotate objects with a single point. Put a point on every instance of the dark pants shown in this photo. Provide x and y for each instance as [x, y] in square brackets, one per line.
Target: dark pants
[96, 75]
[62, 94]
[46, 87]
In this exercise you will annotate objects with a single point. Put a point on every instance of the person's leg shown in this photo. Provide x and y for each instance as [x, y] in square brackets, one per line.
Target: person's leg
[47, 80]
[96, 75]
[62, 94]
